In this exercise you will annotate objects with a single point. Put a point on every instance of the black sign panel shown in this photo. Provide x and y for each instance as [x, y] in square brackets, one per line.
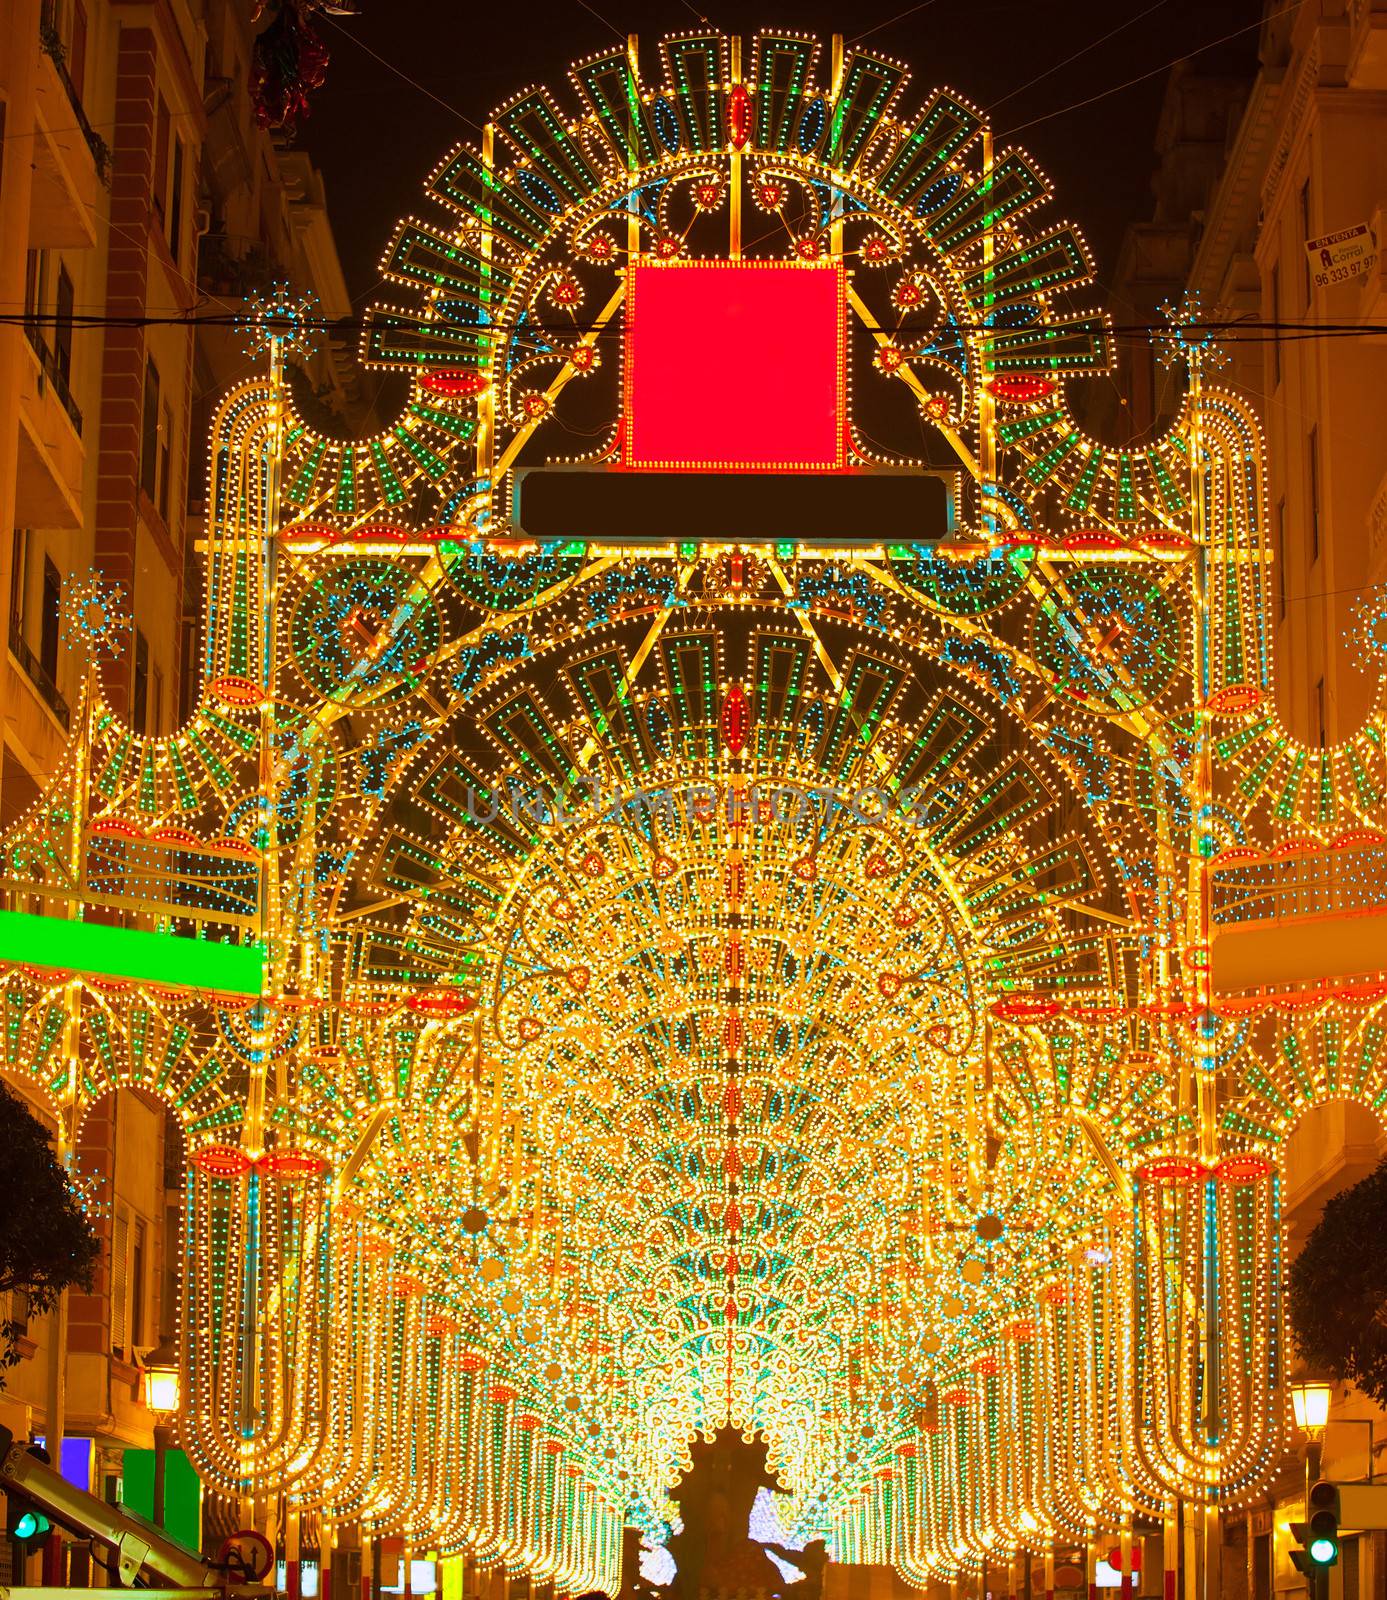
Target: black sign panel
[599, 503]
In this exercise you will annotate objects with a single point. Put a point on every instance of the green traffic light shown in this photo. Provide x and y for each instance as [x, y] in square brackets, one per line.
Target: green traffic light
[31, 1525]
[1323, 1551]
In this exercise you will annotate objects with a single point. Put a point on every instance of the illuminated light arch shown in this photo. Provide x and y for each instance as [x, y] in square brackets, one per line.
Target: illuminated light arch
[465, 1174]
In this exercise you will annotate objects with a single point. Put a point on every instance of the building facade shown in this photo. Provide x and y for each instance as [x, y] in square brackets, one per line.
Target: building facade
[137, 194]
[144, 195]
[1252, 170]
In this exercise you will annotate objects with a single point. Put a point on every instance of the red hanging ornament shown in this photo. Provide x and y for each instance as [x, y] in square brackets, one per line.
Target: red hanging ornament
[236, 691]
[565, 291]
[451, 382]
[1020, 387]
[440, 1003]
[736, 719]
[1243, 1169]
[889, 357]
[221, 1161]
[738, 116]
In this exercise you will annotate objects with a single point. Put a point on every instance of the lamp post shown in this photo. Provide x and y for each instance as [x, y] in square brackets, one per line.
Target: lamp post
[1310, 1401]
[161, 1396]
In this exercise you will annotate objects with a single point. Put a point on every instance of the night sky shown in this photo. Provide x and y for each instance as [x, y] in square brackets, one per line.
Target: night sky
[377, 136]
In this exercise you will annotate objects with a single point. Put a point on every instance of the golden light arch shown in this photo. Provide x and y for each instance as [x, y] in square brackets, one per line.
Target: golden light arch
[764, 982]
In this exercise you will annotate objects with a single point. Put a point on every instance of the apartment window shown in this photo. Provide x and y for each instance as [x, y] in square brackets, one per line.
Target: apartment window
[19, 580]
[140, 698]
[168, 1287]
[1350, 1567]
[35, 282]
[120, 1281]
[1306, 234]
[1262, 1569]
[62, 325]
[149, 430]
[159, 196]
[1274, 288]
[165, 438]
[138, 1260]
[1281, 575]
[187, 679]
[1312, 490]
[50, 620]
[176, 199]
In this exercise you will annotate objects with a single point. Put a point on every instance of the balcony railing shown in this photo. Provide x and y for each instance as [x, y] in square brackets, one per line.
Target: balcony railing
[56, 51]
[37, 674]
[236, 268]
[53, 373]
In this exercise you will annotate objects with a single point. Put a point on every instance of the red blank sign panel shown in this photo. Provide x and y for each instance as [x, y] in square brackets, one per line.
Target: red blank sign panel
[734, 366]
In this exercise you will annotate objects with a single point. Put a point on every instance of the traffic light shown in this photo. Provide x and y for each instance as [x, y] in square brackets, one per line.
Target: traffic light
[25, 1524]
[1300, 1559]
[1323, 1505]
[1318, 1538]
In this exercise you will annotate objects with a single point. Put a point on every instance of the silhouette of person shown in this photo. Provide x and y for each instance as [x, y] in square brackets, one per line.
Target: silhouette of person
[811, 1561]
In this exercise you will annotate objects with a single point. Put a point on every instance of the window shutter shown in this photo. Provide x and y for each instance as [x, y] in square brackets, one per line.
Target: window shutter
[120, 1283]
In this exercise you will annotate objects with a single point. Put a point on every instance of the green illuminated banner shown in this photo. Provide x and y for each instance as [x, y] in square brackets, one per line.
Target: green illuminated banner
[109, 952]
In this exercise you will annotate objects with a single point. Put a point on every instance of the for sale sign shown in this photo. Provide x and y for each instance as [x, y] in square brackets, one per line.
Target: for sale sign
[1340, 256]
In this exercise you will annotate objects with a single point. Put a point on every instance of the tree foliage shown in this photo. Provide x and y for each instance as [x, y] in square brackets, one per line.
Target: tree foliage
[46, 1243]
[1338, 1298]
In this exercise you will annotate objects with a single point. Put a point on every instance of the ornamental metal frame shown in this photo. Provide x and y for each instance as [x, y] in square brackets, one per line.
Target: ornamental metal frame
[705, 983]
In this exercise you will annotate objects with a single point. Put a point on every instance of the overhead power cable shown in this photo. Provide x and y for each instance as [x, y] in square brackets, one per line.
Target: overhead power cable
[1141, 77]
[1230, 331]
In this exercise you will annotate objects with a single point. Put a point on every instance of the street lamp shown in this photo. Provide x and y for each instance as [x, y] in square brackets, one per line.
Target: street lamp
[161, 1396]
[1310, 1400]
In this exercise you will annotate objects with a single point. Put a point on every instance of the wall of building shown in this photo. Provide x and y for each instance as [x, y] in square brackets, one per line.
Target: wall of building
[134, 184]
[1305, 154]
